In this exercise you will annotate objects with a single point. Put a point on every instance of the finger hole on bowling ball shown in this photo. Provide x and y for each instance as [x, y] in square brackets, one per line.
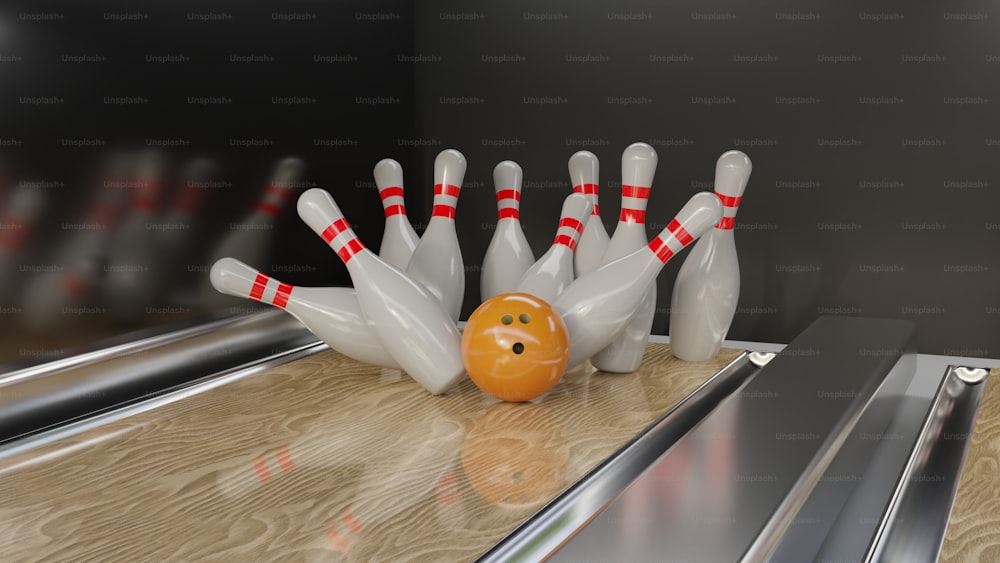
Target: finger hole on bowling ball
[524, 318]
[507, 319]
[518, 348]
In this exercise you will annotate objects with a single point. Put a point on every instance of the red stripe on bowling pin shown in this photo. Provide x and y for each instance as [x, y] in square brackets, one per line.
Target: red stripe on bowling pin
[446, 210]
[391, 207]
[730, 203]
[589, 189]
[660, 247]
[633, 211]
[272, 208]
[281, 293]
[570, 237]
[351, 247]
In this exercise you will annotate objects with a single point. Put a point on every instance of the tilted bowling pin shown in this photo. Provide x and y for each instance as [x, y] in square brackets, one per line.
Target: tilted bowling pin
[508, 256]
[398, 239]
[250, 239]
[707, 288]
[331, 313]
[625, 352]
[553, 272]
[437, 259]
[583, 174]
[410, 323]
[597, 306]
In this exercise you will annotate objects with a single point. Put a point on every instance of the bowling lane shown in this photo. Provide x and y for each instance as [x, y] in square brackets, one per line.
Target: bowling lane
[325, 458]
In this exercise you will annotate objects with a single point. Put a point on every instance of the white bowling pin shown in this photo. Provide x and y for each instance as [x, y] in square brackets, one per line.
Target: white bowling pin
[553, 272]
[625, 352]
[398, 239]
[437, 259]
[707, 288]
[508, 256]
[583, 174]
[410, 323]
[597, 306]
[331, 313]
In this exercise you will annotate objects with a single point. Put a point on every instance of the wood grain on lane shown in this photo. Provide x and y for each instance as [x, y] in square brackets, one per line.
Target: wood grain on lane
[325, 458]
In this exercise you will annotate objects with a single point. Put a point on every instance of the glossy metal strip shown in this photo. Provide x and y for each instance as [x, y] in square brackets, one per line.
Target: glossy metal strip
[728, 489]
[913, 528]
[544, 532]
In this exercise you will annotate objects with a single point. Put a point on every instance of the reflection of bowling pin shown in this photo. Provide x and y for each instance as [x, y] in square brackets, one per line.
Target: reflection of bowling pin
[508, 256]
[598, 305]
[19, 214]
[134, 273]
[625, 352]
[550, 275]
[583, 174]
[708, 284]
[423, 459]
[437, 259]
[398, 239]
[250, 239]
[410, 322]
[331, 313]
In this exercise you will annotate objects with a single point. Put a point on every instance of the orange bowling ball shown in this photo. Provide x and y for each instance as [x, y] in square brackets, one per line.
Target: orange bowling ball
[515, 347]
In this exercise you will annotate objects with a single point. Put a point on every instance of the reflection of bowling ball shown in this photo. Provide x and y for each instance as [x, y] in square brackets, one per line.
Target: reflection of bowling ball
[515, 456]
[515, 347]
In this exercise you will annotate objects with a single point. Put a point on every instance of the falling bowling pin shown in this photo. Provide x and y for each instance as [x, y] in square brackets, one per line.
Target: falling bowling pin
[398, 238]
[508, 256]
[707, 288]
[597, 306]
[409, 321]
[553, 272]
[331, 313]
[625, 352]
[437, 260]
[250, 239]
[583, 174]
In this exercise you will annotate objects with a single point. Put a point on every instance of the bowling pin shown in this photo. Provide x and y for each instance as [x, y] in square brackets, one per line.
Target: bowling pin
[625, 352]
[331, 313]
[707, 288]
[410, 323]
[250, 240]
[398, 239]
[583, 174]
[437, 260]
[508, 256]
[553, 272]
[597, 306]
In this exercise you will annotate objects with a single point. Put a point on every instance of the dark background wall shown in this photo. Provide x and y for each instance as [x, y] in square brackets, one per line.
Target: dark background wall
[873, 132]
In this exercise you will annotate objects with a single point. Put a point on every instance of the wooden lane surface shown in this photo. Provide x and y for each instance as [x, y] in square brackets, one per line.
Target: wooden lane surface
[974, 527]
[325, 459]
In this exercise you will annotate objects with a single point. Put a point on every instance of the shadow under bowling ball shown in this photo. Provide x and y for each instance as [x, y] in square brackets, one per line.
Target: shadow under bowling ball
[515, 455]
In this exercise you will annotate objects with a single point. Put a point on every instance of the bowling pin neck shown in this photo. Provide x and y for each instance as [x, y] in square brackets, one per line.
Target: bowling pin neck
[590, 190]
[508, 204]
[670, 241]
[445, 200]
[730, 205]
[233, 277]
[341, 238]
[392, 201]
[568, 233]
[634, 200]
[146, 198]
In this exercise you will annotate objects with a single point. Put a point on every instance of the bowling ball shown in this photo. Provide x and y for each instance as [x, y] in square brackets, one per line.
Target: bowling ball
[515, 456]
[515, 347]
